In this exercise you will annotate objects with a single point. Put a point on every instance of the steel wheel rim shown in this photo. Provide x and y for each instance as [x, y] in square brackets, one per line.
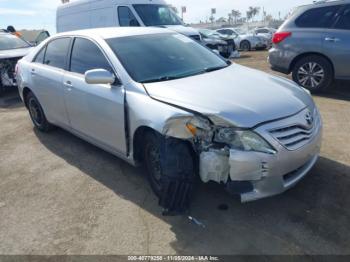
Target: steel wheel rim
[154, 163]
[311, 75]
[35, 112]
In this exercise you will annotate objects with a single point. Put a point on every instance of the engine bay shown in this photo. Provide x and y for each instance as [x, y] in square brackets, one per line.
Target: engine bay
[7, 72]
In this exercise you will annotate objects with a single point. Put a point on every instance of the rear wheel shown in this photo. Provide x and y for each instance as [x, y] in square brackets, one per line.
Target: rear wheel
[314, 73]
[245, 45]
[37, 114]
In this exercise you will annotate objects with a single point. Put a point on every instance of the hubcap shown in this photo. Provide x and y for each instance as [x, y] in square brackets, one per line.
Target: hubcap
[311, 75]
[35, 112]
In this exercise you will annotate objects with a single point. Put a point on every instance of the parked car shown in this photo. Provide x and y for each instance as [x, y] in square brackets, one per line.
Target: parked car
[12, 48]
[84, 14]
[152, 96]
[215, 41]
[244, 40]
[314, 45]
[265, 31]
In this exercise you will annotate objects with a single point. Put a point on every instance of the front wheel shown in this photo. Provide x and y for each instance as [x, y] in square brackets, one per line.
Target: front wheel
[170, 166]
[37, 114]
[314, 73]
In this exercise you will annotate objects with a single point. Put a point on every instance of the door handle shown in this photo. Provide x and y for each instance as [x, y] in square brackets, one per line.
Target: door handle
[33, 72]
[332, 39]
[68, 84]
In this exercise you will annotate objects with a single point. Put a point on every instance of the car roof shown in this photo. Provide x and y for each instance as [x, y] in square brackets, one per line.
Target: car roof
[115, 32]
[326, 3]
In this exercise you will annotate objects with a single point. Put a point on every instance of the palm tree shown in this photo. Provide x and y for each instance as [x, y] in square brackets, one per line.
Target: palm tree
[252, 12]
[236, 15]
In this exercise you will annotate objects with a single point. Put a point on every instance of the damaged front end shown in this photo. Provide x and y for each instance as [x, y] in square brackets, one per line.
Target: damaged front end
[7, 73]
[226, 155]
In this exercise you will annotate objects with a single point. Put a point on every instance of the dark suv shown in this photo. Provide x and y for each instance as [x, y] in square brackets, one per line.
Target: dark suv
[314, 45]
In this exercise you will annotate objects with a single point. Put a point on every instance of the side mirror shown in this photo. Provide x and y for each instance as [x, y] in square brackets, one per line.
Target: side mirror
[99, 76]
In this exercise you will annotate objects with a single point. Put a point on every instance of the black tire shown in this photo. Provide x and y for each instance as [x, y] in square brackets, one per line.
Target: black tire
[176, 163]
[245, 45]
[314, 73]
[37, 114]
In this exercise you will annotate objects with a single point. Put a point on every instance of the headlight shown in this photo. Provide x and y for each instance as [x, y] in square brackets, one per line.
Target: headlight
[244, 140]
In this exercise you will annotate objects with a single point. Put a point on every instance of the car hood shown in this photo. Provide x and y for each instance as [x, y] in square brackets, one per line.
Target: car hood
[238, 95]
[188, 31]
[12, 53]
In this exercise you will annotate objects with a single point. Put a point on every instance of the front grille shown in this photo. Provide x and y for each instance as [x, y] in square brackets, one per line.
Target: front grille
[196, 37]
[297, 135]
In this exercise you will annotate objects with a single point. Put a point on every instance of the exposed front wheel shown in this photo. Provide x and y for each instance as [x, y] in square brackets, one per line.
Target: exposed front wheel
[37, 114]
[314, 73]
[170, 168]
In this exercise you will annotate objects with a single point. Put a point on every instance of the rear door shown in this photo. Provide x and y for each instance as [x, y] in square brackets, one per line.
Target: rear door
[47, 72]
[96, 111]
[337, 44]
[313, 26]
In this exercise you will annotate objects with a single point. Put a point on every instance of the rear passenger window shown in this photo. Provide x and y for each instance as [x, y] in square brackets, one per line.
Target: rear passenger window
[322, 17]
[344, 19]
[56, 53]
[40, 56]
[86, 56]
[126, 17]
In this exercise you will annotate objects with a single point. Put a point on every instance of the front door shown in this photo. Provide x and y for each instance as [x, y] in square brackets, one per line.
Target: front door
[95, 111]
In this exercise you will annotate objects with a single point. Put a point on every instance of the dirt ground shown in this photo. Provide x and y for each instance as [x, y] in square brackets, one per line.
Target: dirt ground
[61, 195]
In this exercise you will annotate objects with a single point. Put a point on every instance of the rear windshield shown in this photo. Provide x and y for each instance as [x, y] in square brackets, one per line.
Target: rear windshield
[8, 41]
[157, 15]
[162, 57]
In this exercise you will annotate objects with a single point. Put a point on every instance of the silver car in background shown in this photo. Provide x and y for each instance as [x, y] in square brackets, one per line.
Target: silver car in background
[245, 41]
[152, 96]
[314, 45]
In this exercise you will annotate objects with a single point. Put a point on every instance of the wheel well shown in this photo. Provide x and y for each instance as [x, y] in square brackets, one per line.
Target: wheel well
[296, 59]
[138, 143]
[26, 91]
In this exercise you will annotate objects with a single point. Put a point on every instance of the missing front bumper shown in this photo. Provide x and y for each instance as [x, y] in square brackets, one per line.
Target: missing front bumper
[255, 175]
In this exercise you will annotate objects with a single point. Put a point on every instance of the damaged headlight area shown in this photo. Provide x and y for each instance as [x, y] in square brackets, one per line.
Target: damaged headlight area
[224, 152]
[244, 140]
[205, 135]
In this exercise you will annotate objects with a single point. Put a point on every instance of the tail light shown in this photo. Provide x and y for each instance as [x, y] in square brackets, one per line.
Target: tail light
[280, 36]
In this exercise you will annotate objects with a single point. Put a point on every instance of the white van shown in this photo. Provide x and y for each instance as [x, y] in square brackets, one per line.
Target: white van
[84, 14]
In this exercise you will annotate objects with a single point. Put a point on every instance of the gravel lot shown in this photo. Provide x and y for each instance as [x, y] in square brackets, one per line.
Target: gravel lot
[61, 195]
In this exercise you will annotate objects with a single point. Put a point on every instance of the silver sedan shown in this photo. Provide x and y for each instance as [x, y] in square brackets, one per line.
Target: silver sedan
[154, 97]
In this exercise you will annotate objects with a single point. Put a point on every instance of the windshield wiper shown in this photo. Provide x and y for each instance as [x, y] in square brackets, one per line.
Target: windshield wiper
[214, 68]
[160, 79]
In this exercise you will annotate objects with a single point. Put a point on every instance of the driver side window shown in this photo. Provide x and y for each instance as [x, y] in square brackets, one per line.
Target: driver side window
[126, 17]
[86, 56]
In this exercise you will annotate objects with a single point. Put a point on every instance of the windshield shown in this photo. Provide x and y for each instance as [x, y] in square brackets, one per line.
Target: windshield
[157, 15]
[8, 41]
[162, 57]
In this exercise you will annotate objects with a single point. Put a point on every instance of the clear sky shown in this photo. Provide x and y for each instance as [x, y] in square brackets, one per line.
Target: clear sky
[37, 14]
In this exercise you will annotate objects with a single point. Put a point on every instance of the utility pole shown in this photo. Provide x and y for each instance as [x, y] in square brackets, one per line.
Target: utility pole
[183, 10]
[212, 18]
